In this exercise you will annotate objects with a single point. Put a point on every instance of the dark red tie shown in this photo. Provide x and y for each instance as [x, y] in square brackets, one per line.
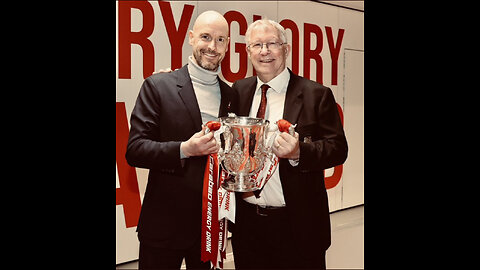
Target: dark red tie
[263, 102]
[261, 114]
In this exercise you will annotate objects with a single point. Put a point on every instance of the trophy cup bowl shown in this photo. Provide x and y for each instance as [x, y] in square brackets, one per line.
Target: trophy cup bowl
[243, 151]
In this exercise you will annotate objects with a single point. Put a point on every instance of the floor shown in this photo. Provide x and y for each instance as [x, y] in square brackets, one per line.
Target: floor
[346, 251]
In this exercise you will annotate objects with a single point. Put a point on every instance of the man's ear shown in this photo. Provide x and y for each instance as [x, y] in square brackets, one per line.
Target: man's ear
[287, 51]
[190, 37]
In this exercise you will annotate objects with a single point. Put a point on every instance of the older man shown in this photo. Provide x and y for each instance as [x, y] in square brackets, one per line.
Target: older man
[287, 224]
[166, 137]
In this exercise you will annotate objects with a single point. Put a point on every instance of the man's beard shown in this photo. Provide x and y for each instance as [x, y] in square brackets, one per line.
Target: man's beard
[206, 64]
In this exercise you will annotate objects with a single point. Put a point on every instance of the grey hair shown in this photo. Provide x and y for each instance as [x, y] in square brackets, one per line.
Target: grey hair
[263, 23]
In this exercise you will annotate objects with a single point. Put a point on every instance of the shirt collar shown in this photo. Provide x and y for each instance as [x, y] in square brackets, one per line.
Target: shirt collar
[279, 83]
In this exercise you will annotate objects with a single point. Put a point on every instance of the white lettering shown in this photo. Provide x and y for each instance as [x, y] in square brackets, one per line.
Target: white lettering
[209, 216]
[209, 242]
[210, 189]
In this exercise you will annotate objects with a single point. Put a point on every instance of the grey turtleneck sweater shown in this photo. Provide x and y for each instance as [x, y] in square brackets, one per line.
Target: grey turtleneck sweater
[207, 89]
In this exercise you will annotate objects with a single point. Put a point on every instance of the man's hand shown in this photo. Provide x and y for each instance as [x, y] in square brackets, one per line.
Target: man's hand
[200, 144]
[166, 70]
[287, 146]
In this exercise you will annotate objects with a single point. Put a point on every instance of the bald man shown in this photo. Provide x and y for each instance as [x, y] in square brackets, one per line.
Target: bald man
[166, 137]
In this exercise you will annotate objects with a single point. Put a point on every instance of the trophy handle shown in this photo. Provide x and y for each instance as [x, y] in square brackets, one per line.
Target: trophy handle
[274, 131]
[270, 135]
[219, 129]
[226, 137]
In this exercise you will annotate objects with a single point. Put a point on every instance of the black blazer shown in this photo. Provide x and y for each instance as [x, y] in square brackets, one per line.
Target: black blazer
[312, 107]
[165, 114]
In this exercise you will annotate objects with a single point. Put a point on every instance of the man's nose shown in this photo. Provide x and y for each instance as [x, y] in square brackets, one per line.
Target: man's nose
[264, 50]
[212, 45]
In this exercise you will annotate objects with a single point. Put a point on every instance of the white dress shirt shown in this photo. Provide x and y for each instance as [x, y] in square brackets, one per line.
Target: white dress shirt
[272, 193]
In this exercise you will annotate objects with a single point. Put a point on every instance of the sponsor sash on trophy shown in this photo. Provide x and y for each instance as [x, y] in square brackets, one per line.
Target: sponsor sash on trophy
[210, 224]
[214, 227]
[214, 224]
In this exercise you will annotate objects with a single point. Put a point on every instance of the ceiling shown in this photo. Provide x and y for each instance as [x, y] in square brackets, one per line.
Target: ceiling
[358, 5]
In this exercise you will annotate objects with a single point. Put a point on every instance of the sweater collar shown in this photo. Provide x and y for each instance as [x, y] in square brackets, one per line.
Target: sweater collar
[201, 75]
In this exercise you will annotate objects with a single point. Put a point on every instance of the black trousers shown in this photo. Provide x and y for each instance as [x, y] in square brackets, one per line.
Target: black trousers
[162, 258]
[267, 242]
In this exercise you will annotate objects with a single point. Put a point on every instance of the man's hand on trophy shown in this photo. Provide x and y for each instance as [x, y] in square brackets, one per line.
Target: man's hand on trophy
[287, 146]
[200, 144]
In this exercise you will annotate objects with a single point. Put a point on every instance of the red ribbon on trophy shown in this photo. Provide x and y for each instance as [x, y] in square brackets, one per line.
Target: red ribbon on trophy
[213, 230]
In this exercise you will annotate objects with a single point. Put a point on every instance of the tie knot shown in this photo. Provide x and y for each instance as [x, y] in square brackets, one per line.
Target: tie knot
[265, 88]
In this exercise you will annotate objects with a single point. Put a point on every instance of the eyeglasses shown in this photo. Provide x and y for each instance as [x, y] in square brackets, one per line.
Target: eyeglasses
[272, 46]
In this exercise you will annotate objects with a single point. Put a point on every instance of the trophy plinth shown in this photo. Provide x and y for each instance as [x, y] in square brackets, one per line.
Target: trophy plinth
[239, 183]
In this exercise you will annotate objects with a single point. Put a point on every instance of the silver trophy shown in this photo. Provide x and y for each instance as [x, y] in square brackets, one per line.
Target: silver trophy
[244, 150]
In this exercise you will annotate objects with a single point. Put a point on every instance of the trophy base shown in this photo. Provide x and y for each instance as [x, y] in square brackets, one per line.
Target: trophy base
[239, 183]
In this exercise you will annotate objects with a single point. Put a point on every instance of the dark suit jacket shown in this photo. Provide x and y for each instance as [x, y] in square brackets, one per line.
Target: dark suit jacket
[165, 114]
[312, 107]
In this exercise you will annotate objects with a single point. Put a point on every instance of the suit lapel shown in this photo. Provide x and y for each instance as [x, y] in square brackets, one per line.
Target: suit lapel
[226, 98]
[246, 96]
[186, 93]
[293, 99]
